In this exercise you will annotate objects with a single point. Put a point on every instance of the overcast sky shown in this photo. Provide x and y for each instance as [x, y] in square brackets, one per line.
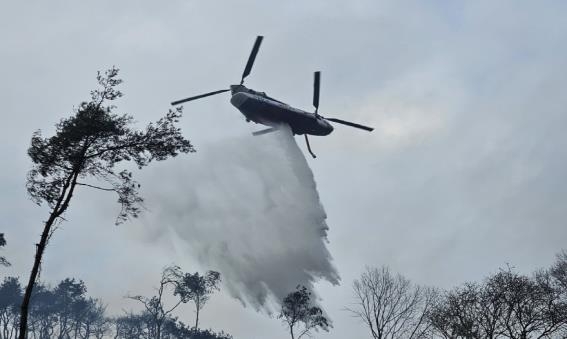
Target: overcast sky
[464, 173]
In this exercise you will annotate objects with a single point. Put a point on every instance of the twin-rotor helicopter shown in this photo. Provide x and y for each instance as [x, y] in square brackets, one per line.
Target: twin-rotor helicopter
[260, 108]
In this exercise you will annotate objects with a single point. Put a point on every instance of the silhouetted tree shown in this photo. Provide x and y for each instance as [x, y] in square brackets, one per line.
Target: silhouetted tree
[155, 307]
[196, 288]
[43, 318]
[177, 330]
[66, 312]
[559, 271]
[507, 305]
[531, 306]
[67, 305]
[75, 314]
[456, 315]
[297, 308]
[138, 326]
[90, 144]
[489, 310]
[133, 326]
[3, 260]
[10, 300]
[391, 306]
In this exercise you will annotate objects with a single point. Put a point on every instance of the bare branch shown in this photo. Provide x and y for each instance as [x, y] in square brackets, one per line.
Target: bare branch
[97, 187]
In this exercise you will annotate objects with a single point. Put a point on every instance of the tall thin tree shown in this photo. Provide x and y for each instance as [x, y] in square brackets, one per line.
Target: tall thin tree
[155, 306]
[297, 308]
[90, 144]
[197, 288]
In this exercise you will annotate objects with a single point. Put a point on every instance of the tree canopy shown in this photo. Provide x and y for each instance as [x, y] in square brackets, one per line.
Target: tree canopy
[297, 308]
[3, 260]
[196, 288]
[92, 142]
[88, 146]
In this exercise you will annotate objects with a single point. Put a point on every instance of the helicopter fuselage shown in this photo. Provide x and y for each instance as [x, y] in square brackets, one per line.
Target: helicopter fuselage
[260, 108]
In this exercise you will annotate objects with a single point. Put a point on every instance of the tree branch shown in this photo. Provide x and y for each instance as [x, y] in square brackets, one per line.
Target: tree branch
[97, 187]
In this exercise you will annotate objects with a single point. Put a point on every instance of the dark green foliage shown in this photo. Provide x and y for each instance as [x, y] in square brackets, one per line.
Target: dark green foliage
[157, 322]
[10, 299]
[156, 312]
[196, 288]
[61, 312]
[177, 330]
[3, 260]
[297, 308]
[187, 286]
[142, 326]
[134, 326]
[93, 141]
[89, 145]
[66, 311]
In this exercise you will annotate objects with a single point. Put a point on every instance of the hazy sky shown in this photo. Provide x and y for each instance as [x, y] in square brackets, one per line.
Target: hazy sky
[464, 173]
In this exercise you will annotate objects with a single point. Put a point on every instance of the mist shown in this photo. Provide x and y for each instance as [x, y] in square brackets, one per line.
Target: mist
[249, 208]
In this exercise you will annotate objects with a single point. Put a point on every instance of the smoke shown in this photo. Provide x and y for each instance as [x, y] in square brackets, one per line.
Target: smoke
[249, 208]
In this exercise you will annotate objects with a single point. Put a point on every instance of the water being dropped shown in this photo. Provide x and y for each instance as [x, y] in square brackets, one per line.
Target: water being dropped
[249, 208]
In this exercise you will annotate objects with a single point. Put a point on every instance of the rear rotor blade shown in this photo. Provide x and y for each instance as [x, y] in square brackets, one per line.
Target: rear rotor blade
[251, 58]
[199, 96]
[316, 88]
[351, 124]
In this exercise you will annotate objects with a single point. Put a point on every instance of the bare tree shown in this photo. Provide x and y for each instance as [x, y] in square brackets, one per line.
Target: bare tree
[456, 313]
[90, 144]
[489, 310]
[559, 271]
[505, 305]
[297, 309]
[391, 306]
[532, 306]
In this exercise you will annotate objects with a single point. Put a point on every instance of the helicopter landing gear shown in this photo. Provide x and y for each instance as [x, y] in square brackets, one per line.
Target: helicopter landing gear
[309, 147]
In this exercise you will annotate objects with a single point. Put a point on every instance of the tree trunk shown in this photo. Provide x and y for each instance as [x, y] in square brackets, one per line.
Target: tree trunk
[197, 306]
[35, 270]
[58, 209]
[197, 320]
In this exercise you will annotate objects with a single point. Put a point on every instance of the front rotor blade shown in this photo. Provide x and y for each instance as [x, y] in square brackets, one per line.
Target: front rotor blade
[351, 124]
[264, 131]
[251, 58]
[199, 96]
[316, 88]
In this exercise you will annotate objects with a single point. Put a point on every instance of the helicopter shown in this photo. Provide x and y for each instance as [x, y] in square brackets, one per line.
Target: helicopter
[260, 108]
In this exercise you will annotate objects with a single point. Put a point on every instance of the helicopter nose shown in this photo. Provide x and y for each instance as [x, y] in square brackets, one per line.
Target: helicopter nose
[238, 99]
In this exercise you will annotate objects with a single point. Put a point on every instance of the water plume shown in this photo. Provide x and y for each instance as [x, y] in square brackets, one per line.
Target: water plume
[249, 208]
